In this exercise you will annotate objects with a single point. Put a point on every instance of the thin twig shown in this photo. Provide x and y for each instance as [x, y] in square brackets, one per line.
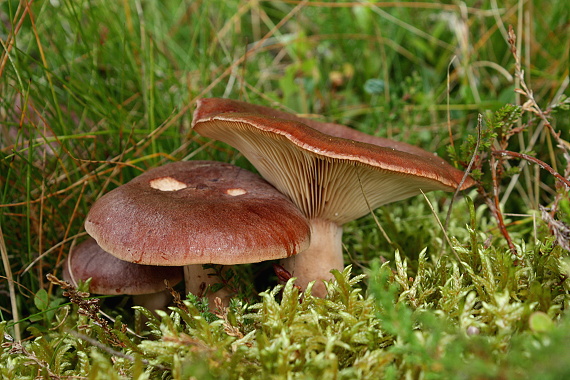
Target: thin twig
[443, 229]
[496, 204]
[542, 164]
[18, 348]
[468, 170]
[11, 40]
[11, 288]
[372, 212]
[111, 351]
[531, 104]
[448, 109]
[88, 307]
[395, 4]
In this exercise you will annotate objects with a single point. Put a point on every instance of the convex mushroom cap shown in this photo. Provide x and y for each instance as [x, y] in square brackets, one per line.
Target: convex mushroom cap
[111, 276]
[197, 212]
[333, 174]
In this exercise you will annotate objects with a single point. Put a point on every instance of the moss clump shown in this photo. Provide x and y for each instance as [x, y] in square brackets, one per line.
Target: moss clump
[488, 320]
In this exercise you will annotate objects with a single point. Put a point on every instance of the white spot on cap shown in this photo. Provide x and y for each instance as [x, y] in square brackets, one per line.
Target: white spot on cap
[167, 184]
[236, 192]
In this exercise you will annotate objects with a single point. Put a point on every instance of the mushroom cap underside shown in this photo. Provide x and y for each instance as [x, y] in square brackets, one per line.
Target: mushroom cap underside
[208, 107]
[197, 212]
[326, 176]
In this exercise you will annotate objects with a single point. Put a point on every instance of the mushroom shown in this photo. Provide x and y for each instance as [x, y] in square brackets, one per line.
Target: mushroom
[333, 174]
[212, 106]
[198, 212]
[111, 276]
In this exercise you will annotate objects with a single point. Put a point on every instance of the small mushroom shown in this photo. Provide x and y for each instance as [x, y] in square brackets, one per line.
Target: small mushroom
[198, 212]
[333, 174]
[111, 276]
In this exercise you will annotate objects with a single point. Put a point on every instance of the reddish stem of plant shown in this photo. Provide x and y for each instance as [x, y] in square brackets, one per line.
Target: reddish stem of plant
[542, 164]
[497, 207]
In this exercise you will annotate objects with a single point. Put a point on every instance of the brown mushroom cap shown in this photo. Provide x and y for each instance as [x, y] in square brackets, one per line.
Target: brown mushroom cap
[212, 106]
[328, 177]
[197, 212]
[112, 276]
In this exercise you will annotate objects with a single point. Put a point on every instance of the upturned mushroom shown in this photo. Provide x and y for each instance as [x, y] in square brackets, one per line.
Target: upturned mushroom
[333, 174]
[111, 276]
[198, 212]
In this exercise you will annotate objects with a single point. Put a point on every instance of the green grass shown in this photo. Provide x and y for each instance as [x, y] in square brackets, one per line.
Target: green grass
[93, 93]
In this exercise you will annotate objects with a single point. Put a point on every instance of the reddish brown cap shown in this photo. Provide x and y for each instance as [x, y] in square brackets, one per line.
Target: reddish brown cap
[111, 276]
[212, 106]
[197, 212]
[328, 177]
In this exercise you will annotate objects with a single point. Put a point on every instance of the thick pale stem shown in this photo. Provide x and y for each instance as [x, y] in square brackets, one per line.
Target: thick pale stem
[198, 280]
[324, 254]
[153, 301]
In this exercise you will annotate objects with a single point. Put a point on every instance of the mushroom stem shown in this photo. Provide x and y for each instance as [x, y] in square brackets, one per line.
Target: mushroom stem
[198, 281]
[153, 301]
[323, 255]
